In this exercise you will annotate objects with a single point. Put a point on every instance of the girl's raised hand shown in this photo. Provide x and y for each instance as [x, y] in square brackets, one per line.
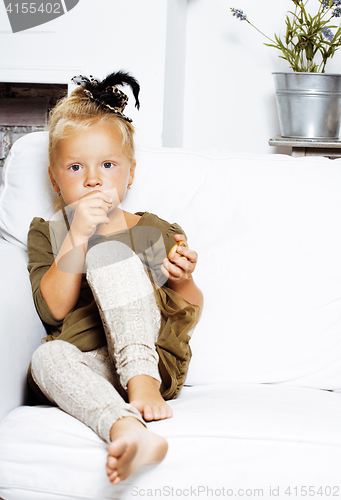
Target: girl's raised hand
[177, 268]
[90, 211]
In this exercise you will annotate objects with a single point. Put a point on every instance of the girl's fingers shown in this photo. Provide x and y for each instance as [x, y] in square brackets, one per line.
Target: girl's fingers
[186, 264]
[93, 211]
[94, 203]
[171, 269]
[180, 237]
[190, 255]
[178, 263]
[185, 251]
[99, 220]
[93, 208]
[175, 272]
[87, 218]
[94, 198]
[176, 267]
[99, 195]
[164, 271]
[181, 263]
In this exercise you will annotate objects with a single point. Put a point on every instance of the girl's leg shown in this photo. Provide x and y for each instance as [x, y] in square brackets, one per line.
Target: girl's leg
[82, 385]
[131, 319]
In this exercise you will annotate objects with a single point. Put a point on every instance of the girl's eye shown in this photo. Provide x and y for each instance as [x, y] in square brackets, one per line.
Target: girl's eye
[108, 164]
[75, 168]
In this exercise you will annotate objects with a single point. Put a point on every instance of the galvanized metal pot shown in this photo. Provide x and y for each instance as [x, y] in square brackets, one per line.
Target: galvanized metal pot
[309, 104]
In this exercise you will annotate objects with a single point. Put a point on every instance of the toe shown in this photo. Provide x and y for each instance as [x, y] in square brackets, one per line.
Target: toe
[117, 449]
[148, 413]
[111, 462]
[113, 477]
[164, 411]
[157, 412]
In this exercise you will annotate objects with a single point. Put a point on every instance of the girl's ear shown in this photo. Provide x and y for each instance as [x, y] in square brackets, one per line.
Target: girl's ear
[132, 172]
[53, 181]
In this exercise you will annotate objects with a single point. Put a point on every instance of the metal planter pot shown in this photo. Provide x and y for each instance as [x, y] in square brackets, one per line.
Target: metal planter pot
[308, 104]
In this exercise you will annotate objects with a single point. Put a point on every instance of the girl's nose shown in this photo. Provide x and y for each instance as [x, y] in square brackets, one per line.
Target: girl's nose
[93, 180]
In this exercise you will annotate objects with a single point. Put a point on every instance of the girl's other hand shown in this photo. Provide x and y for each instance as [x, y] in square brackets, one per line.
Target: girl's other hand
[90, 211]
[176, 268]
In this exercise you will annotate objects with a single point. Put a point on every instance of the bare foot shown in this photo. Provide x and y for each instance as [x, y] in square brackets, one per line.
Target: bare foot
[144, 394]
[132, 446]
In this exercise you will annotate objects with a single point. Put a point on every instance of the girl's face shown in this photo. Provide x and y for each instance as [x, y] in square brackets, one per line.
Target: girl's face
[92, 160]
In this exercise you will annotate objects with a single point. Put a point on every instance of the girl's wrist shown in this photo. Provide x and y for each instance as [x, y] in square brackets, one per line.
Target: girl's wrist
[77, 240]
[177, 284]
[71, 256]
[188, 290]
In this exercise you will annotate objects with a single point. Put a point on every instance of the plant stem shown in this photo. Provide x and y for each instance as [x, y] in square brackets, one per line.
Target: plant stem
[259, 31]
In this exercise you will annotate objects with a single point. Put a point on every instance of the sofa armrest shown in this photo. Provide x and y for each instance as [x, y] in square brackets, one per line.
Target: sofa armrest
[20, 326]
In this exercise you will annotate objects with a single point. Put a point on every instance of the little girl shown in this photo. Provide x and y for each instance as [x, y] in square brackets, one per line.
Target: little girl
[119, 312]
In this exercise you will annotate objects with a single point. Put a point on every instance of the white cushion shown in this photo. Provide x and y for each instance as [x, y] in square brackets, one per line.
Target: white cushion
[233, 436]
[26, 191]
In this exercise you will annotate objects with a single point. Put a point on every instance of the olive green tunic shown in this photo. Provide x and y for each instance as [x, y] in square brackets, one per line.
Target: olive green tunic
[151, 239]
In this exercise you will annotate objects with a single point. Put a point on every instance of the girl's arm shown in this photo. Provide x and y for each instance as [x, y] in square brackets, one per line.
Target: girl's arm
[61, 288]
[61, 284]
[179, 273]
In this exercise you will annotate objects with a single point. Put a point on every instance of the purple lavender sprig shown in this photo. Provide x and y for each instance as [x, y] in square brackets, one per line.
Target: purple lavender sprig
[327, 33]
[328, 4]
[337, 12]
[239, 14]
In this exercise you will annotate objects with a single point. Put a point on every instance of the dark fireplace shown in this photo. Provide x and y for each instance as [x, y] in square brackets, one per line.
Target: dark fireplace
[24, 108]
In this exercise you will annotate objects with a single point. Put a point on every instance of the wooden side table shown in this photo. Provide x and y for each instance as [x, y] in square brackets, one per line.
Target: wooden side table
[309, 147]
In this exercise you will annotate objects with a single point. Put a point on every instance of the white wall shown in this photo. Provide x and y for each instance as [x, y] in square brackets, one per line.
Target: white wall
[96, 37]
[229, 96]
[226, 88]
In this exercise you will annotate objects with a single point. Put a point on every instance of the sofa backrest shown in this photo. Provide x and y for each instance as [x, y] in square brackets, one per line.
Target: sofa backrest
[268, 233]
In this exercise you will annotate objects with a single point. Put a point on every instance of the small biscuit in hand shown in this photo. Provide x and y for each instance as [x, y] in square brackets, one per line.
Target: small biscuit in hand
[174, 249]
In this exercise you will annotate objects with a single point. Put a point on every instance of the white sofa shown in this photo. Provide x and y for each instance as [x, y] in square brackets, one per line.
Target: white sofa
[261, 409]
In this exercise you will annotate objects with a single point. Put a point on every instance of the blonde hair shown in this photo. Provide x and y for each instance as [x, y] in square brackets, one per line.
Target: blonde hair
[78, 112]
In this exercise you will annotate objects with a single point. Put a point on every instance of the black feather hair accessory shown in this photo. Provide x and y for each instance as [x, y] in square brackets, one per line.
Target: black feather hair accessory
[106, 92]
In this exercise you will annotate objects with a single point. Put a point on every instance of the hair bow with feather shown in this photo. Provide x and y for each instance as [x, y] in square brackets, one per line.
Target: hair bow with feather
[106, 92]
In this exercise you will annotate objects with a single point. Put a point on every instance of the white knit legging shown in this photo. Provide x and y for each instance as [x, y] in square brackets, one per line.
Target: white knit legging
[91, 385]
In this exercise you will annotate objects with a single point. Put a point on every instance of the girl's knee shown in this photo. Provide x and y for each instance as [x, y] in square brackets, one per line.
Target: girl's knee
[49, 355]
[108, 253]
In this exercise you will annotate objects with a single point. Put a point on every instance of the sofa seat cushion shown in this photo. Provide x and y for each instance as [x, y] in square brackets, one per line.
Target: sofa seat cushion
[225, 436]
